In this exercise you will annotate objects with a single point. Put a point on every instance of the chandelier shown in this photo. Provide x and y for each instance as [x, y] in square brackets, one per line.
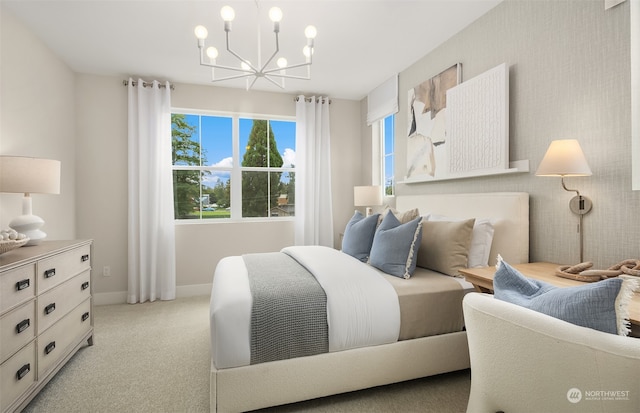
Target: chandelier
[246, 69]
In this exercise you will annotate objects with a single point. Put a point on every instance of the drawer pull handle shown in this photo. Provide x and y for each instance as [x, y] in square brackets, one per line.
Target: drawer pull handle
[50, 347]
[85, 285]
[50, 273]
[85, 316]
[22, 325]
[50, 308]
[21, 285]
[84, 258]
[23, 371]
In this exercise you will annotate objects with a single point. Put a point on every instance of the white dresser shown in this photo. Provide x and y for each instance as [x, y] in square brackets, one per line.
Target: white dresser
[46, 315]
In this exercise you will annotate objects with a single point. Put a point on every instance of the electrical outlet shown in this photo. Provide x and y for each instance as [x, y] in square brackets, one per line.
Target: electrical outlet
[106, 271]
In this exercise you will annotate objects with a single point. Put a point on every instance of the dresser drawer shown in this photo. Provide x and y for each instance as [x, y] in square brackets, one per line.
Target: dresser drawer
[17, 328]
[17, 374]
[54, 343]
[55, 270]
[55, 303]
[17, 286]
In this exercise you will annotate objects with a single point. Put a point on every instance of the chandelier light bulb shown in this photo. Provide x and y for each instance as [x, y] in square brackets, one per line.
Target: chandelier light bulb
[227, 14]
[275, 14]
[201, 32]
[212, 52]
[310, 32]
[282, 62]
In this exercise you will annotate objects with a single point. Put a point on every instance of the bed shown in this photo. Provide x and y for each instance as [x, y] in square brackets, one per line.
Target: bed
[238, 385]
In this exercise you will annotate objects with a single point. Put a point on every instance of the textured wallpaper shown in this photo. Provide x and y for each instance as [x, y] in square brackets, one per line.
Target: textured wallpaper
[569, 79]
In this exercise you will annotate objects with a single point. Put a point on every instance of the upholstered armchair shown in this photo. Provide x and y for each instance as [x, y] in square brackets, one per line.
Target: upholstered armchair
[525, 361]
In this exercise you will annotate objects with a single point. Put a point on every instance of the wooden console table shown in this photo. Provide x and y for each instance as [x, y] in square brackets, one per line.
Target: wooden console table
[482, 280]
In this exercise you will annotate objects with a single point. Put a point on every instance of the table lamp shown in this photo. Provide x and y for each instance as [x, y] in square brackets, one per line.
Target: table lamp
[21, 174]
[367, 196]
[565, 158]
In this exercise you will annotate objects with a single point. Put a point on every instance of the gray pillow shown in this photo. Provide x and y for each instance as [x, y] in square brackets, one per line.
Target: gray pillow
[358, 235]
[395, 246]
[602, 305]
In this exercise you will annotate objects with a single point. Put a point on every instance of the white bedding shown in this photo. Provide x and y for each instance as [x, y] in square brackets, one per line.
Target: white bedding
[362, 307]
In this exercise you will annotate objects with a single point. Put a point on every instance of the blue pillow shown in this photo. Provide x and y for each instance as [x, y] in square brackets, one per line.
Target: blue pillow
[358, 235]
[395, 246]
[602, 305]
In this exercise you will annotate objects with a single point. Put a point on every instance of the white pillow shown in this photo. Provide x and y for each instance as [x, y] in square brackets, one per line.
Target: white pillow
[481, 239]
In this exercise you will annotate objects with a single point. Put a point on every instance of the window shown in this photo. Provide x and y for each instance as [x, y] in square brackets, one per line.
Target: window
[232, 166]
[387, 150]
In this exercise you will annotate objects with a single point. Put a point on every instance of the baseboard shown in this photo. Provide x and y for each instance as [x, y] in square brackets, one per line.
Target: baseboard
[182, 291]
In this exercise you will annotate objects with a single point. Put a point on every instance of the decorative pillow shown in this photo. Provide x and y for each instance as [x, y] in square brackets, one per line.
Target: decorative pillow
[481, 240]
[358, 235]
[602, 305]
[403, 217]
[445, 245]
[395, 246]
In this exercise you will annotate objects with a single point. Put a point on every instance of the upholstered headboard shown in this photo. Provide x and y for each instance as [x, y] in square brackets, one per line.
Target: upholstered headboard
[509, 212]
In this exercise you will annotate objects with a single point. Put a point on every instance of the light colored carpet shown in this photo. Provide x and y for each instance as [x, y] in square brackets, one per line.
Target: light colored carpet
[154, 357]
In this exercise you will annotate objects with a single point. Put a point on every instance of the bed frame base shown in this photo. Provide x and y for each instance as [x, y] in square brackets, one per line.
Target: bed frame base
[263, 385]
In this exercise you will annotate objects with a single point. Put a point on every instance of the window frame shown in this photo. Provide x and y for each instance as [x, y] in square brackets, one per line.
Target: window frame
[236, 170]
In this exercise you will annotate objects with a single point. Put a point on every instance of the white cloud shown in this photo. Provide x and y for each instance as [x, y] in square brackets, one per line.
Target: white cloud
[225, 163]
[288, 158]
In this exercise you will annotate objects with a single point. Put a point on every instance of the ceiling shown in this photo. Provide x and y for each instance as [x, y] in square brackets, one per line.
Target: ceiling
[359, 45]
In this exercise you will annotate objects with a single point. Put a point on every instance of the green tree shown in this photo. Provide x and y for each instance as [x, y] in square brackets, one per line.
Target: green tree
[258, 194]
[185, 151]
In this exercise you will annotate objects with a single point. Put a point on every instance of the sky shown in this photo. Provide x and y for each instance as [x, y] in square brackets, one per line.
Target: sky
[217, 140]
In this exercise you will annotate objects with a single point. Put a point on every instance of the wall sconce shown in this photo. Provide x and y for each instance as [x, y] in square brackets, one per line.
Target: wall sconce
[19, 174]
[565, 158]
[367, 196]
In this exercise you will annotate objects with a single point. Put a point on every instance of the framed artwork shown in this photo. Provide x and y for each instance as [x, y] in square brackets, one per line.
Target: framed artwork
[427, 151]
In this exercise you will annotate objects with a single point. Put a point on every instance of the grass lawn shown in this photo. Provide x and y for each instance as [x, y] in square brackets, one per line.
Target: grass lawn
[218, 213]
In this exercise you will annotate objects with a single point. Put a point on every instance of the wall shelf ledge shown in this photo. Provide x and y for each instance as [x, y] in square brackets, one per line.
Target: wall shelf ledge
[521, 166]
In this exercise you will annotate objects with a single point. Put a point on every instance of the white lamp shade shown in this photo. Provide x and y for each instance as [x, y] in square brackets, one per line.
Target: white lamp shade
[564, 158]
[20, 174]
[367, 195]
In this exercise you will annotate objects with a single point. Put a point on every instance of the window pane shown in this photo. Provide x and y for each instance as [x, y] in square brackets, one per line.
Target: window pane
[186, 193]
[388, 176]
[388, 134]
[285, 137]
[185, 139]
[255, 194]
[262, 192]
[216, 193]
[388, 155]
[217, 141]
[258, 144]
[286, 200]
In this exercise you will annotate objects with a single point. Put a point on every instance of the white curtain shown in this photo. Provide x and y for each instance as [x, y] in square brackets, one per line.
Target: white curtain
[313, 209]
[152, 273]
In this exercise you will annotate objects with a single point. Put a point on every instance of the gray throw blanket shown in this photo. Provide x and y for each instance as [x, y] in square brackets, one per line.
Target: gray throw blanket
[289, 313]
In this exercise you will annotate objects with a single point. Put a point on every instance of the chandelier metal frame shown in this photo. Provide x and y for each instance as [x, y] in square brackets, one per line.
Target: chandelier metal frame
[247, 69]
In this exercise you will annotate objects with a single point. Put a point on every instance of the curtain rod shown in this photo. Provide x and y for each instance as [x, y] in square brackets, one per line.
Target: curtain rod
[297, 98]
[146, 84]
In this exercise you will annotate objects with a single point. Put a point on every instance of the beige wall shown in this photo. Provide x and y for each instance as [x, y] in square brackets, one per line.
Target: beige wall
[569, 78]
[37, 118]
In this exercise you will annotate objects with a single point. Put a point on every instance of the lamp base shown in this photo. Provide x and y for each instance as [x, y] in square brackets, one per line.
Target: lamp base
[29, 225]
[580, 205]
